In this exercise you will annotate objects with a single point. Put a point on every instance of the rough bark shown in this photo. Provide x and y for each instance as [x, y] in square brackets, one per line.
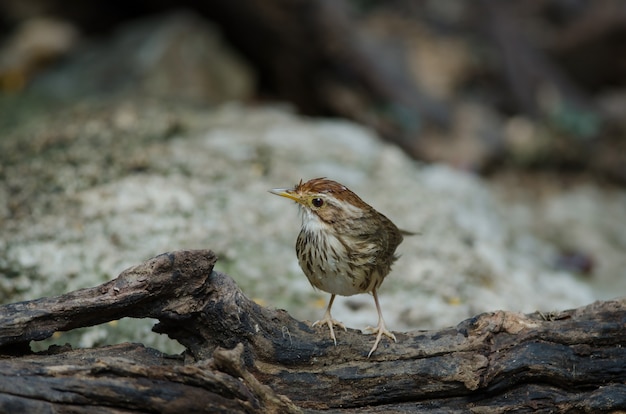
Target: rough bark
[242, 357]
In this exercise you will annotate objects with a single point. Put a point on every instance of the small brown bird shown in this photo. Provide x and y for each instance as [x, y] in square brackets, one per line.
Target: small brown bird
[345, 247]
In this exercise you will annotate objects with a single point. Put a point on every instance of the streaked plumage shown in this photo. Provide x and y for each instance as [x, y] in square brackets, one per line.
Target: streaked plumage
[345, 246]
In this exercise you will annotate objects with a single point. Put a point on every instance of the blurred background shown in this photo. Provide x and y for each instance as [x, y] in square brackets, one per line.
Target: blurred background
[495, 129]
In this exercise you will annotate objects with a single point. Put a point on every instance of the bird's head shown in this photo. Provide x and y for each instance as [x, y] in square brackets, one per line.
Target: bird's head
[325, 200]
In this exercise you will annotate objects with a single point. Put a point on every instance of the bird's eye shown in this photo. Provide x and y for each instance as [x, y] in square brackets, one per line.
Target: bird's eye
[317, 202]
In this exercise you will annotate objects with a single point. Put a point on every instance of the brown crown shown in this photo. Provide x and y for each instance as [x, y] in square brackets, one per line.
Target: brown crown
[325, 186]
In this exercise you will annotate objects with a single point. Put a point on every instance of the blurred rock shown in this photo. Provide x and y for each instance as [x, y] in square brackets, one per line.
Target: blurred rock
[81, 201]
[438, 63]
[584, 222]
[536, 85]
[34, 45]
[173, 56]
[473, 142]
[613, 105]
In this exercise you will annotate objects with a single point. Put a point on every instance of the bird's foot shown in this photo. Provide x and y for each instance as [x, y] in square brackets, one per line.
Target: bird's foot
[380, 330]
[330, 322]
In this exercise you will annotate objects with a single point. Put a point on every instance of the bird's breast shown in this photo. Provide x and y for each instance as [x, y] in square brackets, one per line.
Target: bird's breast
[325, 260]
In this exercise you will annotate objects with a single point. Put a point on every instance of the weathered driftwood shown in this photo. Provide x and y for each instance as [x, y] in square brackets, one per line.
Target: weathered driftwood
[242, 357]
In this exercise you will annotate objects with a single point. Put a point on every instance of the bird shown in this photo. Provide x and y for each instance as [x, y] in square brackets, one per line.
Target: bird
[345, 247]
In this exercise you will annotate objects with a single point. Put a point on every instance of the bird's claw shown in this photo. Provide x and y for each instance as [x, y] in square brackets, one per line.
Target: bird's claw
[330, 322]
[380, 330]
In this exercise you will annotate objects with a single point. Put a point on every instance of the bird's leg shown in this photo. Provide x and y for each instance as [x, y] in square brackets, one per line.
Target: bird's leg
[329, 321]
[381, 329]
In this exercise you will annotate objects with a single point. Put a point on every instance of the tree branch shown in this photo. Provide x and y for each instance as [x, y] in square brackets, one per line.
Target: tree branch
[245, 357]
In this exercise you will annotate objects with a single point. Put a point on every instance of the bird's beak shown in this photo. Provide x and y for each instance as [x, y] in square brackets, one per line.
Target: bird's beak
[285, 192]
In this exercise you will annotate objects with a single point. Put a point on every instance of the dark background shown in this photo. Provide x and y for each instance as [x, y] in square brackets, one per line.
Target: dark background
[558, 65]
